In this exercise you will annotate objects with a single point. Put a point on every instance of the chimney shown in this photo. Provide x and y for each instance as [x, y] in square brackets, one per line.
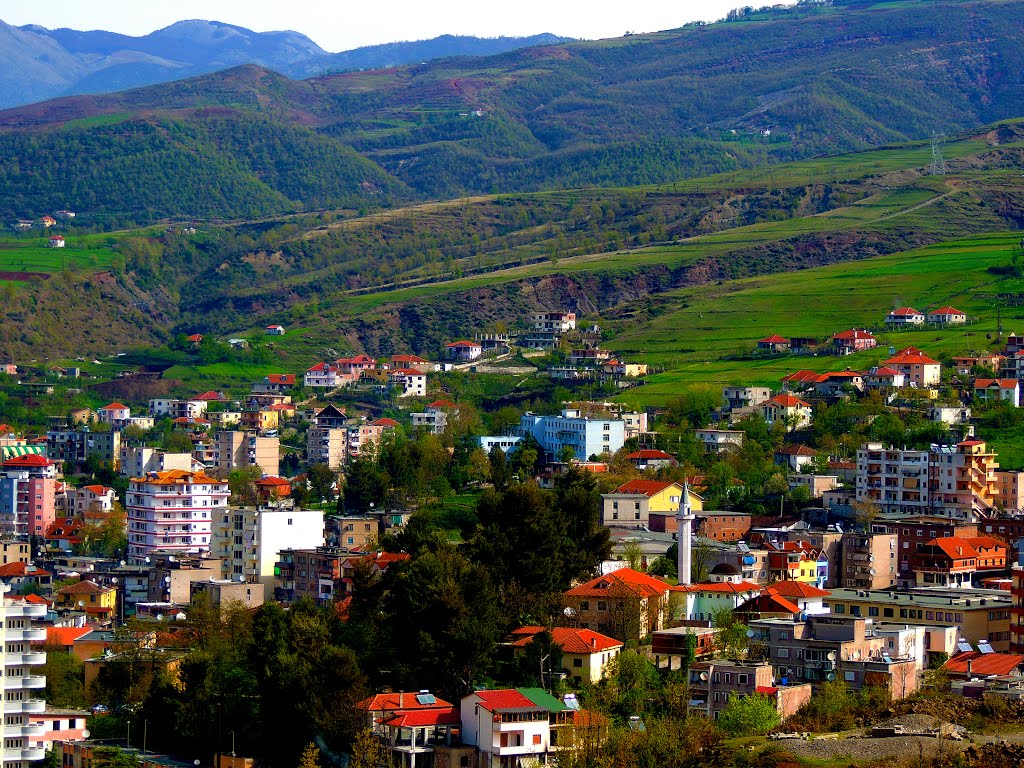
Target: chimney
[969, 669]
[401, 699]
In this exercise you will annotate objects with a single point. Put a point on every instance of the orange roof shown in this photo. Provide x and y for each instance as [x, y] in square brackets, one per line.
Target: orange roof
[650, 454]
[29, 460]
[884, 372]
[984, 663]
[462, 344]
[18, 568]
[211, 395]
[65, 636]
[509, 698]
[647, 488]
[798, 589]
[177, 477]
[577, 641]
[195, 337]
[281, 378]
[99, 490]
[399, 701]
[625, 582]
[854, 335]
[786, 400]
[904, 312]
[997, 383]
[803, 376]
[442, 404]
[272, 480]
[115, 407]
[796, 450]
[947, 311]
[735, 588]
[773, 339]
[984, 542]
[407, 359]
[908, 357]
[955, 547]
[769, 602]
[83, 588]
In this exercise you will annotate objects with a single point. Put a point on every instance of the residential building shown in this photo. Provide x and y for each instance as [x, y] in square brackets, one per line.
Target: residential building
[88, 597]
[171, 575]
[981, 614]
[920, 370]
[57, 725]
[773, 343]
[435, 416]
[590, 357]
[633, 504]
[673, 644]
[172, 510]
[275, 384]
[954, 561]
[736, 398]
[372, 564]
[839, 383]
[855, 650]
[795, 456]
[585, 653]
[138, 460]
[897, 480]
[248, 540]
[724, 588]
[178, 409]
[788, 409]
[417, 729]
[415, 362]
[315, 573]
[14, 550]
[237, 450]
[260, 420]
[507, 727]
[965, 366]
[625, 604]
[505, 443]
[997, 391]
[90, 501]
[222, 592]
[554, 322]
[868, 560]
[714, 681]
[115, 414]
[947, 316]
[585, 436]
[651, 459]
[883, 377]
[904, 316]
[22, 685]
[722, 526]
[27, 504]
[848, 342]
[816, 484]
[963, 477]
[463, 351]
[274, 330]
[408, 382]
[327, 438]
[616, 370]
[354, 533]
[800, 380]
[915, 531]
[718, 440]
[1009, 493]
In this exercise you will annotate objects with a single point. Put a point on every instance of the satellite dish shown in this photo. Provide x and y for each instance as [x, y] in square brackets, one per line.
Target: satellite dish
[831, 656]
[704, 676]
[123, 563]
[86, 733]
[871, 571]
[750, 633]
[180, 617]
[831, 676]
[856, 655]
[569, 611]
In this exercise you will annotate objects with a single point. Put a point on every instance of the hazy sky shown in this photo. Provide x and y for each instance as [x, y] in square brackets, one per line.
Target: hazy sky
[341, 24]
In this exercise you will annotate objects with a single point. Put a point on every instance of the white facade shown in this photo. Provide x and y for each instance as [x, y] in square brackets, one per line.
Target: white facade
[22, 690]
[525, 735]
[587, 437]
[554, 322]
[172, 511]
[897, 480]
[504, 442]
[248, 540]
[137, 460]
[409, 382]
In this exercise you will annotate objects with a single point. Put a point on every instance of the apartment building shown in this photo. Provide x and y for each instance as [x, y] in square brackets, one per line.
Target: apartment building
[174, 511]
[1009, 491]
[27, 502]
[914, 532]
[957, 562]
[171, 575]
[554, 322]
[315, 573]
[981, 614]
[894, 479]
[90, 501]
[22, 689]
[571, 429]
[963, 477]
[247, 540]
[237, 450]
[868, 560]
[714, 681]
[633, 504]
[736, 398]
[221, 592]
[137, 460]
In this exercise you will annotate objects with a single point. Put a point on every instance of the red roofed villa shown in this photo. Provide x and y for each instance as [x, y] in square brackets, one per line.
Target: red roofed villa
[773, 343]
[585, 653]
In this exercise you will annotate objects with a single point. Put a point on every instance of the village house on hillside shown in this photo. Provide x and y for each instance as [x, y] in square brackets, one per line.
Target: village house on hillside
[904, 316]
[848, 342]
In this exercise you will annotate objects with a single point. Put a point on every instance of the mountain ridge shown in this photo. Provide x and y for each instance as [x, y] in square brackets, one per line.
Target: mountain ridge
[37, 63]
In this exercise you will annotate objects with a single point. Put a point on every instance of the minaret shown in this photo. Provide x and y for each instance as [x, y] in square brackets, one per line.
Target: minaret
[684, 547]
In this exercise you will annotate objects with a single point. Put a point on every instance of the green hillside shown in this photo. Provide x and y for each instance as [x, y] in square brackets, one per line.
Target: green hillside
[644, 109]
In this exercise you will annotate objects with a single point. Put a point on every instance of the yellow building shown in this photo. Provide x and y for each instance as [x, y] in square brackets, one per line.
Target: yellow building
[87, 596]
[632, 504]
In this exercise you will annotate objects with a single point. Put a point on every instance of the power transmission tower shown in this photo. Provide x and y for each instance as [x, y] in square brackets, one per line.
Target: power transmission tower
[938, 162]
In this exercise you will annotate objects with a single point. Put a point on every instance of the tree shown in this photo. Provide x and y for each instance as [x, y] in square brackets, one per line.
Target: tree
[751, 715]
[368, 752]
[177, 442]
[65, 678]
[112, 757]
[865, 513]
[242, 484]
[498, 468]
[731, 633]
[633, 554]
[365, 484]
[311, 756]
[321, 482]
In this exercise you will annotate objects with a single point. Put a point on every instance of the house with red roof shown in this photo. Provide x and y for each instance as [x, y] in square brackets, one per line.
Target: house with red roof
[585, 653]
[725, 588]
[798, 381]
[274, 384]
[408, 382]
[35, 464]
[211, 397]
[787, 409]
[64, 637]
[56, 241]
[796, 456]
[635, 503]
[920, 370]
[17, 574]
[883, 377]
[115, 414]
[651, 459]
[414, 361]
[904, 317]
[997, 391]
[274, 330]
[271, 488]
[970, 664]
[848, 342]
[194, 340]
[946, 316]
[767, 605]
[376, 709]
[434, 418]
[463, 351]
[65, 534]
[91, 501]
[624, 604]
[953, 561]
[773, 343]
[835, 383]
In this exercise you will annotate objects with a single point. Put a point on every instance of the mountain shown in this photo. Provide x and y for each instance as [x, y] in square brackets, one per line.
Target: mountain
[38, 63]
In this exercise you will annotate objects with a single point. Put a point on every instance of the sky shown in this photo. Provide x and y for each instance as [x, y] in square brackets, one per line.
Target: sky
[338, 25]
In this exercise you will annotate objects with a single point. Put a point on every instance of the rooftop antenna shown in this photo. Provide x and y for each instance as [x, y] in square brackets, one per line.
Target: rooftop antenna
[938, 162]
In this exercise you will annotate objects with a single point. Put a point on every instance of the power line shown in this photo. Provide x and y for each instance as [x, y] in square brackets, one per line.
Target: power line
[938, 162]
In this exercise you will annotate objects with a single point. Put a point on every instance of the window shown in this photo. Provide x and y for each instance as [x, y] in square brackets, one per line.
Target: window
[577, 662]
[783, 653]
[839, 608]
[872, 610]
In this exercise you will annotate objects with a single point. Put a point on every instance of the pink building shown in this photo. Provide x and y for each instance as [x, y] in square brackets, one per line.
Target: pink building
[57, 725]
[28, 495]
[115, 414]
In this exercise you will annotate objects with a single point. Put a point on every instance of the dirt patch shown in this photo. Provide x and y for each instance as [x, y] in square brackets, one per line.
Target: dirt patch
[25, 277]
[861, 748]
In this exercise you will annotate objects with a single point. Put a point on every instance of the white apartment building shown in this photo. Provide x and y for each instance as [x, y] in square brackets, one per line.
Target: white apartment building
[19, 684]
[554, 322]
[248, 540]
[409, 382]
[138, 460]
[585, 436]
[894, 479]
[172, 511]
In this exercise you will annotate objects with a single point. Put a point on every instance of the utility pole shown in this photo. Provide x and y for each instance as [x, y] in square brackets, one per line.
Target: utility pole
[938, 162]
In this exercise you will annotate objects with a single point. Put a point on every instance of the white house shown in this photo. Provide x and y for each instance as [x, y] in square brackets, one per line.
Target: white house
[409, 382]
[56, 241]
[996, 390]
[904, 316]
[274, 330]
[947, 316]
[463, 351]
[507, 727]
[115, 414]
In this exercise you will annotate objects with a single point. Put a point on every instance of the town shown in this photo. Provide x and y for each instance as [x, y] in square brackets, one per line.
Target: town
[843, 537]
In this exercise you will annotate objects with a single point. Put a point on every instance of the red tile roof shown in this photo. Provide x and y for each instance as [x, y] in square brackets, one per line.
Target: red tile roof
[803, 376]
[65, 636]
[984, 664]
[904, 312]
[907, 357]
[997, 383]
[442, 404]
[647, 488]
[576, 641]
[509, 698]
[99, 490]
[83, 588]
[211, 395]
[399, 701]
[385, 422]
[884, 372]
[796, 450]
[272, 481]
[29, 460]
[21, 569]
[422, 718]
[786, 400]
[769, 602]
[625, 582]
[407, 359]
[773, 339]
[281, 378]
[729, 587]
[462, 344]
[798, 589]
[854, 335]
[115, 407]
[946, 311]
[649, 454]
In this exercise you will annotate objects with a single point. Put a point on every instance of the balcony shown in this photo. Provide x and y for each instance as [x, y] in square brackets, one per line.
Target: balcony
[24, 682]
[33, 753]
[31, 635]
[24, 659]
[34, 730]
[25, 706]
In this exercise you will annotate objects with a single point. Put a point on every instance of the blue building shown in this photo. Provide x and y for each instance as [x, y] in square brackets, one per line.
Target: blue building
[571, 429]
